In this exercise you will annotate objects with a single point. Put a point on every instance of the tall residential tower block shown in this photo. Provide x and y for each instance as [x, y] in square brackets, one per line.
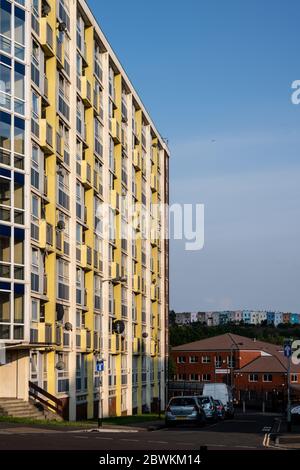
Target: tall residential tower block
[81, 279]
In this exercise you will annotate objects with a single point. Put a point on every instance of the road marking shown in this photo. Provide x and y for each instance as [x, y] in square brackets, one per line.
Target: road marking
[158, 442]
[81, 437]
[243, 447]
[104, 438]
[129, 440]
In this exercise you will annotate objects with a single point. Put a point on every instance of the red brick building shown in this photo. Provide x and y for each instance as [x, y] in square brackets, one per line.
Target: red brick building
[255, 369]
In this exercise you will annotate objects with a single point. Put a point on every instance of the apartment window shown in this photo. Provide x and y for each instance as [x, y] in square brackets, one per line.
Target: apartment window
[5, 83]
[35, 114]
[19, 135]
[5, 26]
[181, 359]
[193, 359]
[80, 118]
[63, 279]
[81, 372]
[36, 60]
[63, 187]
[80, 201]
[253, 377]
[98, 222]
[5, 255]
[124, 302]
[19, 94]
[80, 286]
[19, 33]
[97, 292]
[267, 378]
[111, 83]
[63, 96]
[218, 361]
[5, 199]
[36, 167]
[206, 360]
[35, 217]
[35, 269]
[80, 33]
[63, 13]
[35, 306]
[98, 137]
[294, 378]
[98, 62]
[111, 155]
[194, 377]
[206, 377]
[124, 169]
[63, 374]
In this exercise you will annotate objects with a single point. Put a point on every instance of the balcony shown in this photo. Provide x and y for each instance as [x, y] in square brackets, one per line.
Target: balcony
[115, 130]
[115, 270]
[86, 92]
[153, 183]
[115, 344]
[58, 335]
[136, 284]
[60, 54]
[136, 346]
[86, 257]
[45, 235]
[137, 162]
[96, 341]
[115, 200]
[46, 37]
[86, 174]
[44, 333]
[46, 137]
[153, 348]
[153, 292]
[45, 96]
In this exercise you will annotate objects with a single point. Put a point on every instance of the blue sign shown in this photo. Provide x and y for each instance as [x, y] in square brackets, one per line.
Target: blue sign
[287, 350]
[100, 366]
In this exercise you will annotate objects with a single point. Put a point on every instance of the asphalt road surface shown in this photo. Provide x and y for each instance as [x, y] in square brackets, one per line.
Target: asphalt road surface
[243, 432]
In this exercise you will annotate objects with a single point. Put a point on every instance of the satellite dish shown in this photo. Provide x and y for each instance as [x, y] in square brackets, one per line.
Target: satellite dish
[62, 27]
[118, 327]
[60, 365]
[68, 326]
[145, 334]
[60, 225]
[60, 311]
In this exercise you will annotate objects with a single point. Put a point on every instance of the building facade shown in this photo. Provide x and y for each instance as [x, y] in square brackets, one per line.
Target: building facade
[82, 277]
[255, 369]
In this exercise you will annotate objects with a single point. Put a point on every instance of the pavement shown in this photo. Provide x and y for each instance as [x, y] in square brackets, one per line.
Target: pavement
[244, 432]
[288, 440]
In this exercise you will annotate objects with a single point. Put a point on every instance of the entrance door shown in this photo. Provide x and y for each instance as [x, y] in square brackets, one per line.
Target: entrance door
[37, 368]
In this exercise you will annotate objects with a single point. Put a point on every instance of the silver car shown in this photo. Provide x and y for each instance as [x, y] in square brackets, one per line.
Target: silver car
[184, 409]
[209, 407]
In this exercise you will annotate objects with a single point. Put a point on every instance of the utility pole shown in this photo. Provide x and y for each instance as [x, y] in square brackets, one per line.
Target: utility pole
[288, 355]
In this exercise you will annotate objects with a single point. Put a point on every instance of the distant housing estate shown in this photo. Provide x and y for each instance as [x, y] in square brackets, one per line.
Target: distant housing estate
[251, 317]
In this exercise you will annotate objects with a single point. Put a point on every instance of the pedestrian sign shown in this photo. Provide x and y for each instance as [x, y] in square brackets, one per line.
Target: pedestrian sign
[100, 366]
[287, 350]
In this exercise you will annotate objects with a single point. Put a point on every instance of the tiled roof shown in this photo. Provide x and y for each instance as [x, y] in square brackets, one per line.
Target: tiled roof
[228, 341]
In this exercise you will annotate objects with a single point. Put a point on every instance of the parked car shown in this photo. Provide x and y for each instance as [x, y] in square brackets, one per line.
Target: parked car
[220, 409]
[184, 409]
[295, 413]
[209, 407]
[222, 392]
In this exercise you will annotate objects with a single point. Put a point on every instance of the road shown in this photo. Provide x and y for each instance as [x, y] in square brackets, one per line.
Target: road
[243, 432]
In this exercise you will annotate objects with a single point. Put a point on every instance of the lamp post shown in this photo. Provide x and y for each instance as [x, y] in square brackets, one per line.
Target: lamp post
[288, 353]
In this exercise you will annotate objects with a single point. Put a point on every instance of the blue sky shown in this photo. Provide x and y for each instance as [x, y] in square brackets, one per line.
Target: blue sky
[216, 78]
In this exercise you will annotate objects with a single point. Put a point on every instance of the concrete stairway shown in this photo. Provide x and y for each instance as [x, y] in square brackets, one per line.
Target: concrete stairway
[20, 409]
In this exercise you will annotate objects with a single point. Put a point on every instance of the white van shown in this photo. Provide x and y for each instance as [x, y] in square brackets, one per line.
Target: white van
[223, 393]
